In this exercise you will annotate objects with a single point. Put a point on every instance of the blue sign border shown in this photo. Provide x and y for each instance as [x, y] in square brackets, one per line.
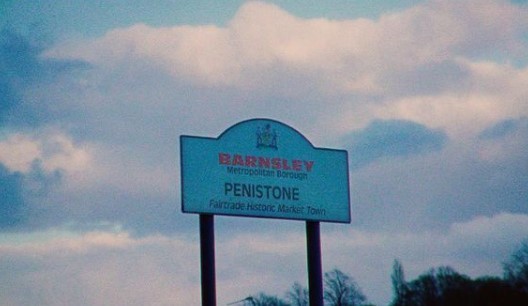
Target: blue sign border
[190, 180]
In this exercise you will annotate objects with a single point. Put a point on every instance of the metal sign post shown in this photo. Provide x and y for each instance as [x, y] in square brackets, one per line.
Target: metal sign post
[315, 270]
[207, 258]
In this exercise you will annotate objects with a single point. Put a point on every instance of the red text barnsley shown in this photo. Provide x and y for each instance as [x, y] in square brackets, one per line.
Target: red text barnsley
[276, 163]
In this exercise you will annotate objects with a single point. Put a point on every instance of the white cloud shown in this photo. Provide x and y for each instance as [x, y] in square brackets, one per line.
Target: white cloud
[325, 77]
[488, 234]
[475, 248]
[55, 151]
[262, 35]
[492, 92]
[418, 64]
[18, 152]
[124, 171]
[68, 243]
[102, 267]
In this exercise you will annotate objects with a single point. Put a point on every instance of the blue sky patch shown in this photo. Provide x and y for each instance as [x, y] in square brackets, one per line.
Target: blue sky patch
[11, 201]
[22, 68]
[501, 129]
[391, 138]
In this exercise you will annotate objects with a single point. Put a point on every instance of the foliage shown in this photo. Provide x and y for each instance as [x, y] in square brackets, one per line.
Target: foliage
[446, 287]
[399, 285]
[495, 291]
[516, 268]
[442, 286]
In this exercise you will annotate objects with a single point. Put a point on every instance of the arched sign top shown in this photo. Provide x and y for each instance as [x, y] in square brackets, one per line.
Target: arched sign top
[264, 168]
[267, 133]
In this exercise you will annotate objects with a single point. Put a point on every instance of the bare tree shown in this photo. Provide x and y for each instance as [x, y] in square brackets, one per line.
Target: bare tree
[263, 299]
[341, 290]
[298, 295]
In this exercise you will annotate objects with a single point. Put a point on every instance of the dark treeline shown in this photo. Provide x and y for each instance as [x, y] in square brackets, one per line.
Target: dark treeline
[442, 286]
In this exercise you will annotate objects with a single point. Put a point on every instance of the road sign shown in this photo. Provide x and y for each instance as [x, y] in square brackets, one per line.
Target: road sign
[264, 168]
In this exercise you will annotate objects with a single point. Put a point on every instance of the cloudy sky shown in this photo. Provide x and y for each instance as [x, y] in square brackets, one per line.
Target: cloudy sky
[430, 99]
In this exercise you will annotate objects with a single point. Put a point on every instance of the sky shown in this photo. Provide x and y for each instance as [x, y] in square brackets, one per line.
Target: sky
[429, 98]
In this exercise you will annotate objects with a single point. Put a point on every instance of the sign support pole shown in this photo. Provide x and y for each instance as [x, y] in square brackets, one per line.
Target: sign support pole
[207, 257]
[315, 271]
